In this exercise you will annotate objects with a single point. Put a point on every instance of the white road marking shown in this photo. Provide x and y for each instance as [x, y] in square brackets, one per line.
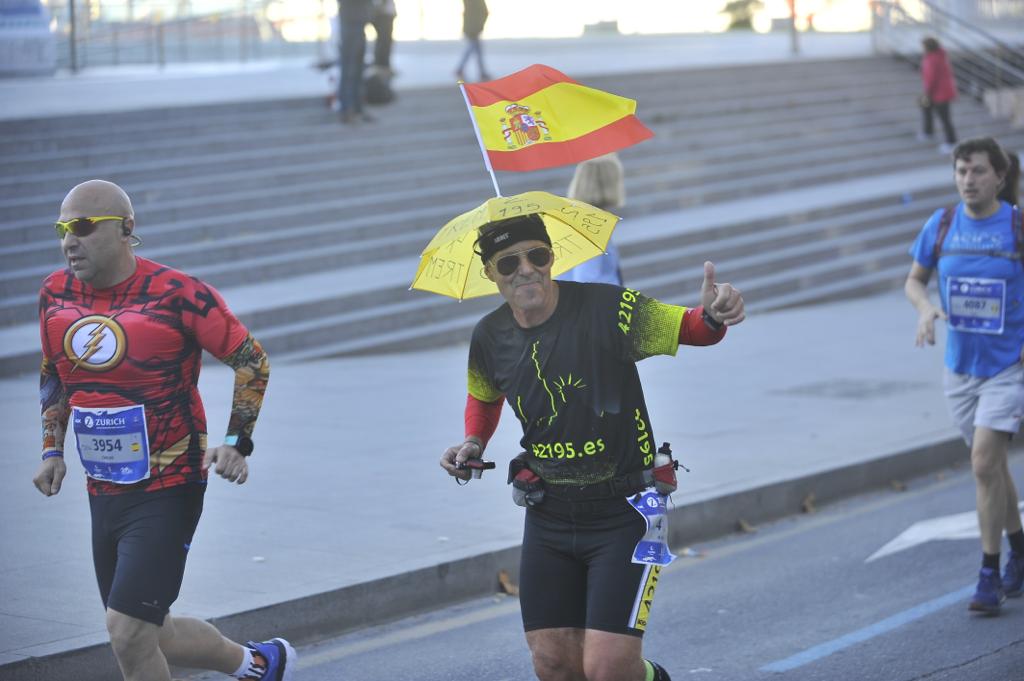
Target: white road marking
[956, 526]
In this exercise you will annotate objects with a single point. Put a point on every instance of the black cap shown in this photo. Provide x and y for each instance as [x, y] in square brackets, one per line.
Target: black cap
[496, 236]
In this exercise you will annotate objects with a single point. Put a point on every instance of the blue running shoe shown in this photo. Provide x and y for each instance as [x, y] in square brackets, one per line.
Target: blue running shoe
[989, 596]
[280, 658]
[1013, 575]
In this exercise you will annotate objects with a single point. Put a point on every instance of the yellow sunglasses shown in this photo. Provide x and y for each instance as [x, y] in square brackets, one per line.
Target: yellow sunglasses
[82, 226]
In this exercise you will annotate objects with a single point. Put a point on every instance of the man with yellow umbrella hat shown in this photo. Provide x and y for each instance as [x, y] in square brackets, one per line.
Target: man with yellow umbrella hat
[563, 354]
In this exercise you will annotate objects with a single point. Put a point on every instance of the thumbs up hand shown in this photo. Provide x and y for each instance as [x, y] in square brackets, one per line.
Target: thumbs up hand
[723, 302]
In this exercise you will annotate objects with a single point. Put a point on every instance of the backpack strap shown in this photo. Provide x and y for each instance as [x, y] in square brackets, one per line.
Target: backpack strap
[944, 222]
[1017, 224]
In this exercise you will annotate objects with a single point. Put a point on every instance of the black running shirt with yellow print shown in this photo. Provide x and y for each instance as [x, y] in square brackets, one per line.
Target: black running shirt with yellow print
[573, 382]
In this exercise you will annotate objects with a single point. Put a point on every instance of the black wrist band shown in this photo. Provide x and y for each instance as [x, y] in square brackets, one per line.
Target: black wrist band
[710, 321]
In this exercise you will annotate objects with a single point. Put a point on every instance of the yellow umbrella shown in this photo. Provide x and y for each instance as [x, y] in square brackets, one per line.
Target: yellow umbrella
[450, 267]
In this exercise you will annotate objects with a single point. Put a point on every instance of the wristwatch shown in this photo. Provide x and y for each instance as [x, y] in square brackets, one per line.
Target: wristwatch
[710, 321]
[240, 442]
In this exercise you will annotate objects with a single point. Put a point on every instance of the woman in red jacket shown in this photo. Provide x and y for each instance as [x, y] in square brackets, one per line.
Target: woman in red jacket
[939, 91]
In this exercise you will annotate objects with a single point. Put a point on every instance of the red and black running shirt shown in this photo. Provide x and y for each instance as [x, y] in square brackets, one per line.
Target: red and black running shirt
[140, 342]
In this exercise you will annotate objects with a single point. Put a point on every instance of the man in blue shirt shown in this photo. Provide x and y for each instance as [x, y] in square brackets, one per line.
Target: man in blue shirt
[976, 247]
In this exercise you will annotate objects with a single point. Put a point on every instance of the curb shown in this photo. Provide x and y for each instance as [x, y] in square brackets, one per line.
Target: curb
[713, 518]
[312, 618]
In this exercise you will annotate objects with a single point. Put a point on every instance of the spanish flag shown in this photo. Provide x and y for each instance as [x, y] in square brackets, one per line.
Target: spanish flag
[540, 118]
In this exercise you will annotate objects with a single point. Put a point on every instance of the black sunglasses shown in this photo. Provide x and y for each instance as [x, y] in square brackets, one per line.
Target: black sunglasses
[538, 257]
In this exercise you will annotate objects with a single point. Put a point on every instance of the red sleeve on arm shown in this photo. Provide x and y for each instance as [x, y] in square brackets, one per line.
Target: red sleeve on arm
[693, 330]
[482, 417]
[216, 328]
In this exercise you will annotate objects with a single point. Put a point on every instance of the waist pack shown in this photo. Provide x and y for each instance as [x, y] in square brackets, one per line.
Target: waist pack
[527, 487]
[663, 478]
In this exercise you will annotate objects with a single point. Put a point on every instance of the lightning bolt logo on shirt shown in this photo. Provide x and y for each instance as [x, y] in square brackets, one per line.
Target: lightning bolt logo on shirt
[95, 343]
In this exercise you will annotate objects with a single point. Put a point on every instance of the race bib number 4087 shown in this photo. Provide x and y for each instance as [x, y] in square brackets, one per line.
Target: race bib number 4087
[977, 305]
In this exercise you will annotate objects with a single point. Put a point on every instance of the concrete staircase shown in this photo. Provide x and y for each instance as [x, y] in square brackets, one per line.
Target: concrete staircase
[312, 230]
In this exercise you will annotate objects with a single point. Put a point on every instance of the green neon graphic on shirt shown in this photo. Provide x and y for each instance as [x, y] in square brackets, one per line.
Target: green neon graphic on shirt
[543, 382]
[561, 383]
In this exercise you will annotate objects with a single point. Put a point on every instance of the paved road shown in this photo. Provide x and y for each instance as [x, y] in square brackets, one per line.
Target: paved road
[795, 600]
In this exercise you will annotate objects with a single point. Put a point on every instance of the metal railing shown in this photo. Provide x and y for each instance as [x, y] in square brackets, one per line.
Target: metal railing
[117, 32]
[997, 10]
[981, 60]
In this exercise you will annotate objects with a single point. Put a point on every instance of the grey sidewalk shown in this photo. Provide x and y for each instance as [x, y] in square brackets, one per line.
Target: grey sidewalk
[345, 488]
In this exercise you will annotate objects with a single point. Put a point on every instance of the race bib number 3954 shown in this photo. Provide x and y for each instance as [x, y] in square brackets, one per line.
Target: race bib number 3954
[112, 443]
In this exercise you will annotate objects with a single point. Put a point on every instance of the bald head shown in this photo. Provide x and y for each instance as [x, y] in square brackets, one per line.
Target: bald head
[96, 197]
[103, 256]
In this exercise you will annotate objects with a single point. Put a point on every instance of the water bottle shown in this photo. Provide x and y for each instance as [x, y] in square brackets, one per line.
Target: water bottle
[664, 470]
[663, 456]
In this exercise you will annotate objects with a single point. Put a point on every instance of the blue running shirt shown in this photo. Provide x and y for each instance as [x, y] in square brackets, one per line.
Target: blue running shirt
[978, 354]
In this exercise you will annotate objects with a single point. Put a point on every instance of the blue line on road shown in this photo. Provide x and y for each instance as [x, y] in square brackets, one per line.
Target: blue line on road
[868, 632]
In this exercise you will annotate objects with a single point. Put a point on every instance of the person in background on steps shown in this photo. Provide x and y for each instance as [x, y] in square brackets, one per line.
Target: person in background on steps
[474, 16]
[122, 339]
[599, 182]
[976, 246]
[377, 83]
[938, 92]
[383, 20]
[353, 16]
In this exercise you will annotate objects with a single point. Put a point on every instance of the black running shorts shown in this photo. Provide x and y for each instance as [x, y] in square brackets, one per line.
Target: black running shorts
[139, 544]
[576, 570]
